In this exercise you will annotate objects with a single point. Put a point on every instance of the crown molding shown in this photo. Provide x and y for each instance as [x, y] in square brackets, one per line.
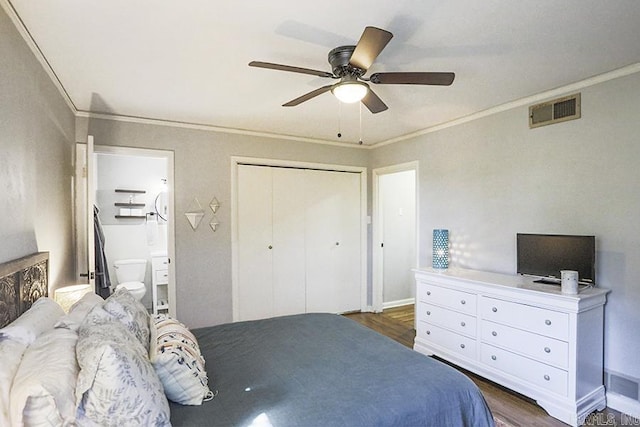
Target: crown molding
[533, 99]
[212, 128]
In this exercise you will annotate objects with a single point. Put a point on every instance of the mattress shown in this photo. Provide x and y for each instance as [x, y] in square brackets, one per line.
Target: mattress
[325, 370]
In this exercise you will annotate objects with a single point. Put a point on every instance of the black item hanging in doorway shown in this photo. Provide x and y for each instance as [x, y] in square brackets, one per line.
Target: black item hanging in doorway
[103, 283]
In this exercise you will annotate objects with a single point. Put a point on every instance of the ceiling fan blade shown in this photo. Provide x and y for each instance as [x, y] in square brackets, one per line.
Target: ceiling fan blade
[308, 96]
[373, 102]
[290, 68]
[442, 79]
[371, 43]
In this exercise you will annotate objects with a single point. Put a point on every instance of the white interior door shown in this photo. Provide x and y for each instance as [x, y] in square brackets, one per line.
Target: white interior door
[289, 193]
[84, 200]
[333, 241]
[255, 242]
[298, 241]
[91, 195]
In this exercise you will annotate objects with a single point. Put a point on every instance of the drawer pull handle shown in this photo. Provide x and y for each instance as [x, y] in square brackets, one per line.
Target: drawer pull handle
[428, 313]
[494, 357]
[547, 322]
[494, 309]
[463, 324]
[494, 333]
[547, 377]
[463, 302]
[428, 332]
[547, 350]
[270, 247]
[461, 345]
[428, 292]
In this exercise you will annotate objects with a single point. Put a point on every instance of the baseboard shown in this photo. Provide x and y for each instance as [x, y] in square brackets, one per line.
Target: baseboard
[623, 404]
[398, 303]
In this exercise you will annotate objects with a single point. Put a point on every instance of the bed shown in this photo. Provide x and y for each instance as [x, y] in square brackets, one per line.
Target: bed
[301, 370]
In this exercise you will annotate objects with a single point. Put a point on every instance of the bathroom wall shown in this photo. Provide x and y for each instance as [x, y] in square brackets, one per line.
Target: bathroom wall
[129, 237]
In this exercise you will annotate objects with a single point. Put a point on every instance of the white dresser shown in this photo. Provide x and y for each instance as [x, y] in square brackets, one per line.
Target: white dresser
[526, 336]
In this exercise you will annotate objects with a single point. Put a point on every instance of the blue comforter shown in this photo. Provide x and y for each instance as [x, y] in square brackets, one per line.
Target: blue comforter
[325, 370]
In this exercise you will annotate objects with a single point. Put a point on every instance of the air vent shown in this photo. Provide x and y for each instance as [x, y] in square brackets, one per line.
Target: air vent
[555, 111]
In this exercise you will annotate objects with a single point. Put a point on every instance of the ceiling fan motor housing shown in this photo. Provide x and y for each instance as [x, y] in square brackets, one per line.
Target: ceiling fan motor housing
[339, 59]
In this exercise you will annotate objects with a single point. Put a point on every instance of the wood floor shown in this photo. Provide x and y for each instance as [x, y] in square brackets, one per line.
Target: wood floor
[511, 408]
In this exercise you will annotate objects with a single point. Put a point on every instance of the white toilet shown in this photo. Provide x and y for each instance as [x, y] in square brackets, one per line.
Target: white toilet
[130, 275]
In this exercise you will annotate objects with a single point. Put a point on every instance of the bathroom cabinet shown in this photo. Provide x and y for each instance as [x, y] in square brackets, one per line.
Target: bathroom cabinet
[160, 283]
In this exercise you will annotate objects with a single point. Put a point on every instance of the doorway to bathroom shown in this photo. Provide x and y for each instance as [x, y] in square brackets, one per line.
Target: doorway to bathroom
[132, 191]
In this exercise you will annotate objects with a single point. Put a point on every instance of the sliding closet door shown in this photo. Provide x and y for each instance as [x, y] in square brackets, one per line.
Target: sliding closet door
[298, 242]
[255, 243]
[271, 246]
[289, 296]
[333, 241]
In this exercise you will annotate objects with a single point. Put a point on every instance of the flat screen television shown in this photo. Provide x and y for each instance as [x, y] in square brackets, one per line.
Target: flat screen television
[545, 255]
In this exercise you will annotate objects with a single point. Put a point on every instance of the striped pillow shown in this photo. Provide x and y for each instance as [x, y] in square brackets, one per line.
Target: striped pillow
[175, 354]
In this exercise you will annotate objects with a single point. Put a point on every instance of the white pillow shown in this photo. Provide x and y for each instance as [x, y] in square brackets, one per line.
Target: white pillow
[117, 385]
[133, 315]
[79, 311]
[10, 354]
[176, 356]
[42, 315]
[44, 386]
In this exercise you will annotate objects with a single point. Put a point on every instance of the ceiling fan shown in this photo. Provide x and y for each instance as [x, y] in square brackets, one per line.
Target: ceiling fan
[349, 65]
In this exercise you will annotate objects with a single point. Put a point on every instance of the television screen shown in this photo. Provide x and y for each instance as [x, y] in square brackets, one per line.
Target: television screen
[545, 255]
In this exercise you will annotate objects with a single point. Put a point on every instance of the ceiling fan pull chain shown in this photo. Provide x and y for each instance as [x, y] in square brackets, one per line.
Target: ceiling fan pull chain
[360, 108]
[339, 119]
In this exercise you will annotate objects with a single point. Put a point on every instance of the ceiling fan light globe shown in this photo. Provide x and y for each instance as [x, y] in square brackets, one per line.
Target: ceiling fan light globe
[350, 92]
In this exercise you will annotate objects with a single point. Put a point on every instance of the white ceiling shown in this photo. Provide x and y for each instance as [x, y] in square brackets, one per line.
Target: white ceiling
[187, 61]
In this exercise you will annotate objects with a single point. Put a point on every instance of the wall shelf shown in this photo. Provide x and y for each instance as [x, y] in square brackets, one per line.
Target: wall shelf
[123, 190]
[130, 216]
[130, 205]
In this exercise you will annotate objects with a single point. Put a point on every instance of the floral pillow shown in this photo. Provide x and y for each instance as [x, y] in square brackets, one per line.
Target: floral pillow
[114, 363]
[175, 355]
[128, 310]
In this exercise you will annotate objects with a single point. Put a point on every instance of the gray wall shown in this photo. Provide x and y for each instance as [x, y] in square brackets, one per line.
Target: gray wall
[203, 170]
[490, 178]
[36, 142]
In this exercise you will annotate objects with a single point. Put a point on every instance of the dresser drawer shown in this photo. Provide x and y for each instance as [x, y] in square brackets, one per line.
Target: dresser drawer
[534, 319]
[545, 376]
[449, 340]
[538, 347]
[458, 322]
[162, 277]
[451, 298]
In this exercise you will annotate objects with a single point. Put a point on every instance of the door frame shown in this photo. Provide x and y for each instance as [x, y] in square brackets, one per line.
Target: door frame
[377, 256]
[169, 156]
[237, 160]
[171, 246]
